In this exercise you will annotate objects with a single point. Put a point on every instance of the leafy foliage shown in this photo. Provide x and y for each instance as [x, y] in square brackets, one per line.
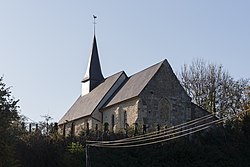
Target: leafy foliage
[212, 88]
[75, 147]
[8, 121]
[221, 146]
[247, 101]
[8, 108]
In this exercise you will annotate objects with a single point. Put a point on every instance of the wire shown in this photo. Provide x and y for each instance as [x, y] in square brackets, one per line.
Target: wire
[146, 137]
[162, 136]
[191, 122]
[153, 142]
[114, 144]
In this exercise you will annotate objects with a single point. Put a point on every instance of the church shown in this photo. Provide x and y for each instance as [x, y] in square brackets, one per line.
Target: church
[151, 98]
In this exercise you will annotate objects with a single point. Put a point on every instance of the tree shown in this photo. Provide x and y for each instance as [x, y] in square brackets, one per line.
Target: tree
[8, 118]
[45, 126]
[212, 88]
[247, 101]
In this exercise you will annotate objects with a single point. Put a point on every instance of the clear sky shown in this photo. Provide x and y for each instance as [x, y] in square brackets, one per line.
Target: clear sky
[45, 45]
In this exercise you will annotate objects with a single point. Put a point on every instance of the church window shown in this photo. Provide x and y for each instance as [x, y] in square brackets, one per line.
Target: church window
[136, 129]
[87, 130]
[113, 121]
[164, 109]
[144, 129]
[86, 126]
[72, 131]
[106, 127]
[125, 119]
[96, 127]
[64, 129]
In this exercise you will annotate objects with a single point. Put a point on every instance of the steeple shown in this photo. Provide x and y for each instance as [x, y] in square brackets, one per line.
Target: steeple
[93, 76]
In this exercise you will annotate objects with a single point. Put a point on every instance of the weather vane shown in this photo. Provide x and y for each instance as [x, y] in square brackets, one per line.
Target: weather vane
[94, 16]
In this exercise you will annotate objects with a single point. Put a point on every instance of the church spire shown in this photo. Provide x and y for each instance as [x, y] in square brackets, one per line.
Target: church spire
[93, 76]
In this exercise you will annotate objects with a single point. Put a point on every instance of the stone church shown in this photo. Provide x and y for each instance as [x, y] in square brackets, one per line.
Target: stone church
[152, 97]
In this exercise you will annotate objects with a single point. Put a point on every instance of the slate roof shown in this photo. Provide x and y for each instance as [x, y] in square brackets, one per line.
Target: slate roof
[135, 84]
[93, 71]
[85, 105]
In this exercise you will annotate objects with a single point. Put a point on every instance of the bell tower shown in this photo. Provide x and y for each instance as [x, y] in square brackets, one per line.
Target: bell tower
[93, 76]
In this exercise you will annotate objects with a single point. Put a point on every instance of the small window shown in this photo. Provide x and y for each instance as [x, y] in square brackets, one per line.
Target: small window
[125, 119]
[72, 129]
[96, 127]
[113, 121]
[136, 129]
[87, 126]
[64, 129]
[106, 127]
[87, 130]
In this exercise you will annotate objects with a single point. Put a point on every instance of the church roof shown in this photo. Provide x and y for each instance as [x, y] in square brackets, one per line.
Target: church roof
[135, 84]
[85, 105]
[94, 71]
[131, 87]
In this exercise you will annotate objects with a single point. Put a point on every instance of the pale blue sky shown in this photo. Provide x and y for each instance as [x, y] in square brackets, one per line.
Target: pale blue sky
[45, 45]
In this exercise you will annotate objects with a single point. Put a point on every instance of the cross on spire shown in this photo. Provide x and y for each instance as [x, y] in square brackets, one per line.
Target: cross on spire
[94, 17]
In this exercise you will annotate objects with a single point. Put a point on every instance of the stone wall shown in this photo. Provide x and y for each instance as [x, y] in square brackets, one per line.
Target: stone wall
[197, 111]
[77, 126]
[163, 101]
[120, 111]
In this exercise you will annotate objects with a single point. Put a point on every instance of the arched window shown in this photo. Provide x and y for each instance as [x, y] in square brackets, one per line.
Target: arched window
[106, 127]
[113, 121]
[164, 109]
[96, 127]
[125, 119]
[87, 130]
[64, 129]
[72, 131]
[87, 126]
[136, 129]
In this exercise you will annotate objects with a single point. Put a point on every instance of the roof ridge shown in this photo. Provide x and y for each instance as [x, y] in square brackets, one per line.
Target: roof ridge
[135, 84]
[116, 74]
[160, 63]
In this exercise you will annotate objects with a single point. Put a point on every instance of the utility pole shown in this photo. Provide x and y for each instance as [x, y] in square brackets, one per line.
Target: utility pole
[87, 155]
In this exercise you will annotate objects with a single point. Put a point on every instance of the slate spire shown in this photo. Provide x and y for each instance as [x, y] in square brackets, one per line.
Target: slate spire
[93, 76]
